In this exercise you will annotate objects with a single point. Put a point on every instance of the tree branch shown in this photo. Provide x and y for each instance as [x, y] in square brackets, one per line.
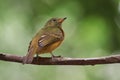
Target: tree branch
[63, 60]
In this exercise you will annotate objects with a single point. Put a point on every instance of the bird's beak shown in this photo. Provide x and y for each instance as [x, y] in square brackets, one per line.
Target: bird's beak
[62, 19]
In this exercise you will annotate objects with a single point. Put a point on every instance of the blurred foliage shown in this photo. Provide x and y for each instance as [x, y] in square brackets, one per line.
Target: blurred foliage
[92, 29]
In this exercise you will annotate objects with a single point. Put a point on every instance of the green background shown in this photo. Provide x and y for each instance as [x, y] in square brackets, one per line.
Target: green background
[92, 29]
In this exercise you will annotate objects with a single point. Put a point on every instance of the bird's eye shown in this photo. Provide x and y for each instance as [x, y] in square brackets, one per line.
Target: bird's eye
[54, 20]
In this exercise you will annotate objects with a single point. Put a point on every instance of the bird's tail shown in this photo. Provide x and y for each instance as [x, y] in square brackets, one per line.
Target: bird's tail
[29, 57]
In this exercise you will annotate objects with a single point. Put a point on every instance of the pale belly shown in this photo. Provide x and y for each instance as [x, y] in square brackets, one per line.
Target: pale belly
[48, 49]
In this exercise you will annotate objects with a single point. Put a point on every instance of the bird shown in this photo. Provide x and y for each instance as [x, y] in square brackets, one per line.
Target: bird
[46, 40]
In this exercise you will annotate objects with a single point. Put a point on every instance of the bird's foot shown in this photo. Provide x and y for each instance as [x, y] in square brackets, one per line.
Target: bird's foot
[56, 58]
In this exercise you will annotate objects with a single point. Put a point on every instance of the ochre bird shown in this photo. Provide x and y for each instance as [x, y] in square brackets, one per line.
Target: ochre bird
[46, 40]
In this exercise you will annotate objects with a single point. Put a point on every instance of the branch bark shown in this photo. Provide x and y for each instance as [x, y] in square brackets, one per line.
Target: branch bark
[63, 60]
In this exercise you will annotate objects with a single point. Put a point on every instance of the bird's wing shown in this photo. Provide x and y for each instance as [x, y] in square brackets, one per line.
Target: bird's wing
[48, 39]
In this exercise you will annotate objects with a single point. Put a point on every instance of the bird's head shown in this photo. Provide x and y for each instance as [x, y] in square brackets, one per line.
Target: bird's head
[55, 22]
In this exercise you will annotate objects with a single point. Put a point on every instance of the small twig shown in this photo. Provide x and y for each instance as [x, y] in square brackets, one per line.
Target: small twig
[63, 60]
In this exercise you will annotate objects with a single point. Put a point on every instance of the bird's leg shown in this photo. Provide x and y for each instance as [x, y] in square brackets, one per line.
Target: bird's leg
[53, 56]
[37, 56]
